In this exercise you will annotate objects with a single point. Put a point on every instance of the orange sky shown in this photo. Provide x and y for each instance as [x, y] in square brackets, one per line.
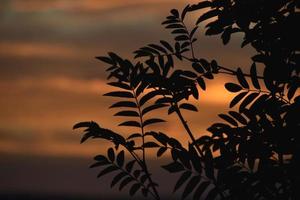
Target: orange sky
[50, 79]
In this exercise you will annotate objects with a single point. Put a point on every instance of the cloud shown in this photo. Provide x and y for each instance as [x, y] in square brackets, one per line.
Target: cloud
[50, 107]
[87, 5]
[50, 79]
[42, 50]
[63, 84]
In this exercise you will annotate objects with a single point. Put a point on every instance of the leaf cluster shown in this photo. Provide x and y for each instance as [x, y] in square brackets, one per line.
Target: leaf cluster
[253, 152]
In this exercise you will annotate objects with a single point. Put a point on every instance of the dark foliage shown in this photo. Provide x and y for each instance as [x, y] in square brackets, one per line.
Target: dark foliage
[253, 152]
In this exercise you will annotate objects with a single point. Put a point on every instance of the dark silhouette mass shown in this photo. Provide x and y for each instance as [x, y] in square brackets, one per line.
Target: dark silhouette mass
[253, 152]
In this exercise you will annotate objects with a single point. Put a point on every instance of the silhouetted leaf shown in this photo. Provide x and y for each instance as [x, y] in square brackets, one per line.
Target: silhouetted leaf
[183, 178]
[128, 104]
[203, 140]
[232, 87]
[248, 100]
[177, 50]
[193, 31]
[188, 106]
[229, 119]
[259, 103]
[81, 125]
[105, 59]
[120, 159]
[130, 123]
[153, 107]
[141, 88]
[135, 135]
[173, 167]
[152, 121]
[200, 190]
[130, 165]
[185, 44]
[175, 13]
[135, 187]
[184, 11]
[123, 94]
[253, 74]
[198, 68]
[170, 21]
[184, 159]
[125, 182]
[120, 85]
[167, 45]
[195, 159]
[201, 83]
[214, 30]
[127, 113]
[150, 50]
[157, 47]
[85, 137]
[117, 178]
[174, 26]
[214, 66]
[181, 31]
[269, 83]
[188, 74]
[209, 168]
[150, 145]
[153, 65]
[162, 138]
[107, 170]
[208, 15]
[111, 154]
[100, 158]
[150, 95]
[208, 75]
[237, 99]
[181, 38]
[164, 100]
[171, 109]
[241, 78]
[238, 117]
[190, 186]
[259, 58]
[205, 64]
[200, 5]
[174, 143]
[161, 151]
[226, 35]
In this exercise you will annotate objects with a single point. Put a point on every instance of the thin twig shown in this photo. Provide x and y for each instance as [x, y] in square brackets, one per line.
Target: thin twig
[188, 130]
[143, 162]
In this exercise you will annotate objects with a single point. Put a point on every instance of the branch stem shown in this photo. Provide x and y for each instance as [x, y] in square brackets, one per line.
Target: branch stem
[188, 130]
[142, 162]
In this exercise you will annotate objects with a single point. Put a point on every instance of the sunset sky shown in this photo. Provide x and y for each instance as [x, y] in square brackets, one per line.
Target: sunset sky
[50, 80]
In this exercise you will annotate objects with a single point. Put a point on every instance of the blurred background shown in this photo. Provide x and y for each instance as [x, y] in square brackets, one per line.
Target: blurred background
[50, 80]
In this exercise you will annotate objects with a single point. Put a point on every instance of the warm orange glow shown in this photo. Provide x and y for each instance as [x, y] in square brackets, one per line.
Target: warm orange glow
[51, 79]
[44, 50]
[48, 119]
[87, 5]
